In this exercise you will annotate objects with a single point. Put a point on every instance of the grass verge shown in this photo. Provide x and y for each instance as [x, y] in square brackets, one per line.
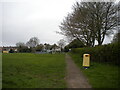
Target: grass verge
[99, 75]
[33, 70]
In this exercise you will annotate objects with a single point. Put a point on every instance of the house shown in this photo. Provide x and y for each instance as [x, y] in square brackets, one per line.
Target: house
[56, 49]
[9, 49]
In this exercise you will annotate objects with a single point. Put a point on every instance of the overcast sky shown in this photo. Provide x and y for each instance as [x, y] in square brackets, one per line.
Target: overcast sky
[22, 19]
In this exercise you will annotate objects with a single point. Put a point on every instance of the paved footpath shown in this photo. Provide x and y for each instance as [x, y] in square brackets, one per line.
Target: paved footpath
[75, 78]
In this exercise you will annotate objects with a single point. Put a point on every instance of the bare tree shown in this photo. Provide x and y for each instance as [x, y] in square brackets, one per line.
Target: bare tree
[61, 43]
[20, 44]
[90, 21]
[33, 42]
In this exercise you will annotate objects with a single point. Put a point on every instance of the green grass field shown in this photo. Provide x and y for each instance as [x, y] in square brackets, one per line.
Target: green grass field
[33, 70]
[99, 75]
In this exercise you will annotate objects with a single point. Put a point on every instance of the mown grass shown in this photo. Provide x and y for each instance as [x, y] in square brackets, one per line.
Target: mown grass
[99, 75]
[33, 70]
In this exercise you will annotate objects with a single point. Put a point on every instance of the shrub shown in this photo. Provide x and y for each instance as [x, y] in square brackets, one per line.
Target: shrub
[104, 53]
[11, 51]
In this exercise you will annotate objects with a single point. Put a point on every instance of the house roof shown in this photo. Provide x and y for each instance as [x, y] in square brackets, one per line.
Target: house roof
[9, 47]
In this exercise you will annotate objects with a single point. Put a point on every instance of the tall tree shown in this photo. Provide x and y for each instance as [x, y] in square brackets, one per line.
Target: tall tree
[61, 43]
[90, 21]
[20, 44]
[33, 42]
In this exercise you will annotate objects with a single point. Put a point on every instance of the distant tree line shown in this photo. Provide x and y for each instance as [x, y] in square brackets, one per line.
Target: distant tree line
[33, 45]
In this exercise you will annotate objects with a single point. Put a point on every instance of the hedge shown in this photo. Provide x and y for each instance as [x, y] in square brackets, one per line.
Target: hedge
[104, 53]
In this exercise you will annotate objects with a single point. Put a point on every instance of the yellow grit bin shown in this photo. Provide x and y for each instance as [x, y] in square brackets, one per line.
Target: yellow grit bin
[86, 60]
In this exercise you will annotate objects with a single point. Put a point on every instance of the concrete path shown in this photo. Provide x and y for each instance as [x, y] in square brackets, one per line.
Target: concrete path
[75, 78]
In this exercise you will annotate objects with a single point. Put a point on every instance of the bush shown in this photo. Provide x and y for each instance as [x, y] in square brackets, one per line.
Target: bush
[104, 53]
[11, 51]
[24, 49]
